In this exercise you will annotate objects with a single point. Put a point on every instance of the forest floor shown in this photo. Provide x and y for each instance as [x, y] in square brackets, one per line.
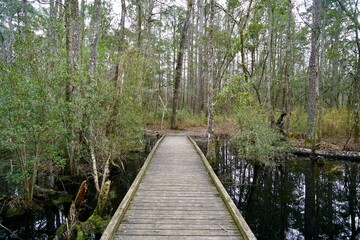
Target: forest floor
[329, 144]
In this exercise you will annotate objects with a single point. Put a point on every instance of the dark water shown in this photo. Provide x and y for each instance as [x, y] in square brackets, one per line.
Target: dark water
[41, 224]
[299, 199]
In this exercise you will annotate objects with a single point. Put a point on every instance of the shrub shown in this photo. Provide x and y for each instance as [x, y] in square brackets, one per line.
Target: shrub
[255, 140]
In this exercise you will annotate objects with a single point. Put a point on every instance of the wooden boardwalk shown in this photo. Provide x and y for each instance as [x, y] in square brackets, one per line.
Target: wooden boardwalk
[175, 197]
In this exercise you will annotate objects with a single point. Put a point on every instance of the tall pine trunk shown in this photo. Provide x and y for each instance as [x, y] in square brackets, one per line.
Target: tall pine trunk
[288, 68]
[211, 153]
[91, 92]
[178, 68]
[313, 69]
[199, 78]
[139, 25]
[73, 64]
[269, 65]
[356, 98]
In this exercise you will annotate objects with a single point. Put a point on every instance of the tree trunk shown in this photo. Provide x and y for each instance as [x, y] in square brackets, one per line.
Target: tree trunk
[120, 66]
[288, 68]
[199, 78]
[82, 32]
[139, 24]
[269, 65]
[356, 90]
[52, 30]
[122, 26]
[190, 66]
[73, 63]
[178, 68]
[211, 153]
[92, 83]
[313, 69]
[119, 73]
[10, 45]
[242, 27]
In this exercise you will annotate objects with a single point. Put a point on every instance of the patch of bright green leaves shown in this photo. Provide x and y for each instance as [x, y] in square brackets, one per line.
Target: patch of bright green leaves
[236, 91]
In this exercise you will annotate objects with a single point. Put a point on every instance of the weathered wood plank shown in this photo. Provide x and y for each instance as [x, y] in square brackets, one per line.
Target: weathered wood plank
[180, 226]
[239, 220]
[183, 207]
[176, 232]
[176, 221]
[119, 237]
[115, 221]
[178, 213]
[177, 199]
[182, 217]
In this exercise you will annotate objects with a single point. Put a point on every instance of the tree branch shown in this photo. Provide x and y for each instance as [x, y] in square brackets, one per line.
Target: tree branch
[352, 16]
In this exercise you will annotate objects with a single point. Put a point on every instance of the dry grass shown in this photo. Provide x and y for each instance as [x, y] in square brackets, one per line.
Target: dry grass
[224, 126]
[335, 123]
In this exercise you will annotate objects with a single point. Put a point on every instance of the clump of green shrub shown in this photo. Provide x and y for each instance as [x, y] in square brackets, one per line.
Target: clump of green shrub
[254, 139]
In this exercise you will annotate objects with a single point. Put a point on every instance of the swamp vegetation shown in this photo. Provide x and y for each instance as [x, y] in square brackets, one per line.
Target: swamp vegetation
[296, 198]
[272, 198]
[81, 82]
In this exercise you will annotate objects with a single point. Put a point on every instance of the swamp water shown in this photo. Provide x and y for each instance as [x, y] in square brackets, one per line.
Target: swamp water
[299, 199]
[42, 223]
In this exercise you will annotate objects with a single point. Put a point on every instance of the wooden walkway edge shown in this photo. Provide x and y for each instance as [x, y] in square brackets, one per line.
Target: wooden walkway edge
[177, 195]
[115, 221]
[234, 211]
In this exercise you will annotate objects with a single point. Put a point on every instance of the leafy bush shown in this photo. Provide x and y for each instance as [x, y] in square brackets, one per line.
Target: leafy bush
[255, 140]
[236, 91]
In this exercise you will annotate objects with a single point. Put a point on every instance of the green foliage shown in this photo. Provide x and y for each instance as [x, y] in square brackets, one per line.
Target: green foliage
[298, 122]
[30, 114]
[236, 91]
[255, 140]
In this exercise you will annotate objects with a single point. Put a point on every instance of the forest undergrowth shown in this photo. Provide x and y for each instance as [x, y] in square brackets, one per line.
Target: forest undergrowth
[334, 133]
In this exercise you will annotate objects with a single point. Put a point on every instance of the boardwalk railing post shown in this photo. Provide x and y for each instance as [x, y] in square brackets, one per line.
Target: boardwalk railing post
[110, 230]
[234, 211]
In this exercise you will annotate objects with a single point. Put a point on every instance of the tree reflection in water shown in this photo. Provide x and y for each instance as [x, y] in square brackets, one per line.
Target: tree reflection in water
[297, 199]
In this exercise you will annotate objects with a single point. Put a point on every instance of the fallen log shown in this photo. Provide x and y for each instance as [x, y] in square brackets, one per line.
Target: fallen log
[51, 192]
[338, 155]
